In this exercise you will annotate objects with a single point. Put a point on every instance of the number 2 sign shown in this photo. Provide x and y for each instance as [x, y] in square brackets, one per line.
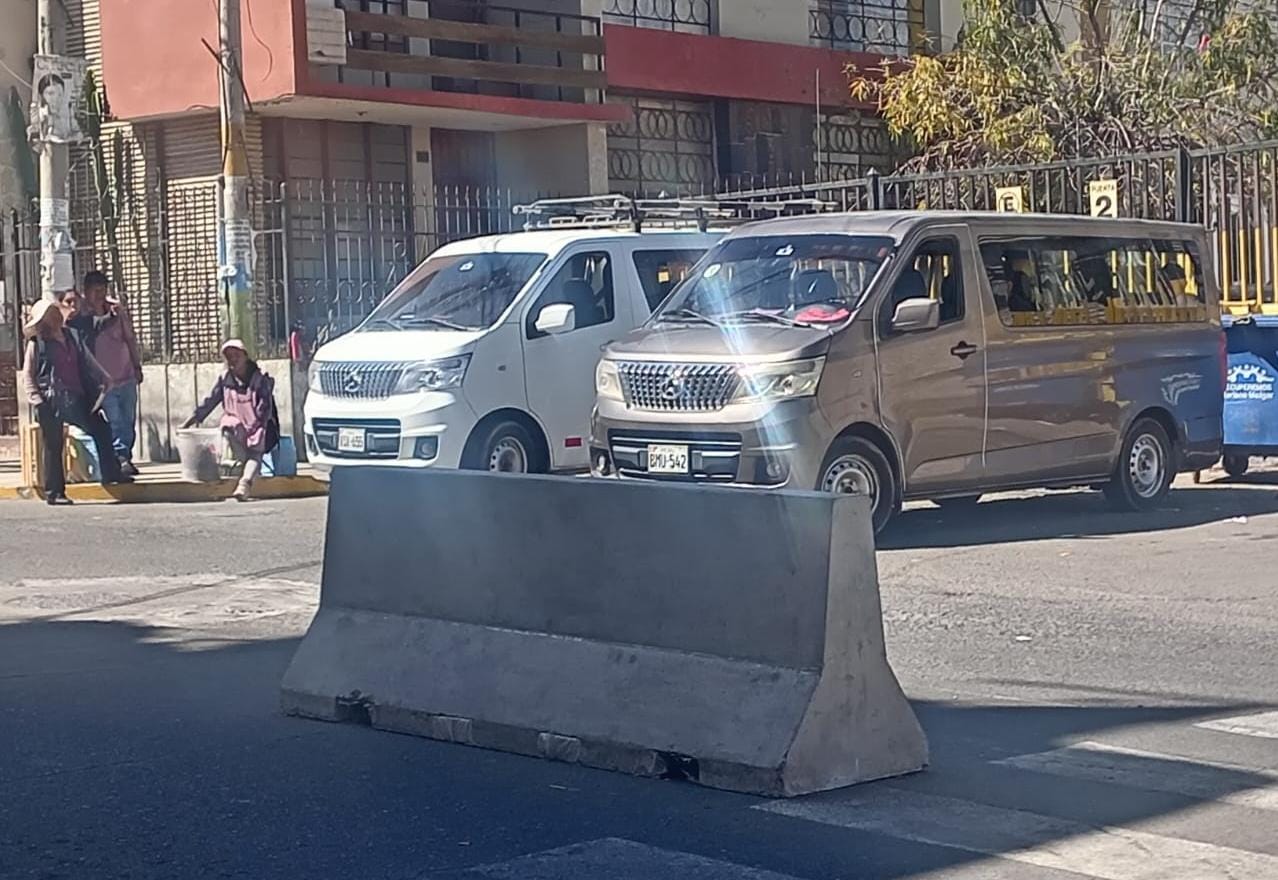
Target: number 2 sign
[1103, 196]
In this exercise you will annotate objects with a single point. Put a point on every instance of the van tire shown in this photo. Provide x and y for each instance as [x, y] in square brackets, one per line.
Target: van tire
[854, 462]
[1145, 469]
[1236, 465]
[507, 447]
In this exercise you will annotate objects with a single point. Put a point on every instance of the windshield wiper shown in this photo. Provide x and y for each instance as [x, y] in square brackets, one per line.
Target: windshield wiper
[687, 315]
[760, 315]
[382, 322]
[431, 320]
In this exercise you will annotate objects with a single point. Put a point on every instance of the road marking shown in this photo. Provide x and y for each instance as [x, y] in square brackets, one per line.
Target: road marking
[1264, 724]
[614, 857]
[1152, 771]
[1103, 852]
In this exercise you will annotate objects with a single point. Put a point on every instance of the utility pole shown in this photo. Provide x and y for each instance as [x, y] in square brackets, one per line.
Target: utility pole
[235, 241]
[57, 272]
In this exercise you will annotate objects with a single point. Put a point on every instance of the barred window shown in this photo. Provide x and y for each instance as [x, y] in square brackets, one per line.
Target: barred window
[665, 146]
[688, 16]
[881, 26]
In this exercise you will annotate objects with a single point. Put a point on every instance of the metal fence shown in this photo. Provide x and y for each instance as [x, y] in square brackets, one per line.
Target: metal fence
[1233, 192]
[327, 251]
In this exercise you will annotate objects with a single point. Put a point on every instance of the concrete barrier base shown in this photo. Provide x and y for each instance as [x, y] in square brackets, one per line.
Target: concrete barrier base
[769, 678]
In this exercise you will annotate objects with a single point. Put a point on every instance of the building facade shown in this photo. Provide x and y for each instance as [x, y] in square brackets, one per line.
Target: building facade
[380, 128]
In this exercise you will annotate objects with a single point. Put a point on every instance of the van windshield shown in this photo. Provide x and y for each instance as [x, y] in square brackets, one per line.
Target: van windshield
[802, 280]
[466, 292]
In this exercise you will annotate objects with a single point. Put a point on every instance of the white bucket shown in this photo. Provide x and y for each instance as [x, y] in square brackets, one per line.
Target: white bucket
[198, 449]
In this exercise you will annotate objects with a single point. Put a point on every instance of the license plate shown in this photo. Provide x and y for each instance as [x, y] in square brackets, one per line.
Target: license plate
[350, 440]
[664, 459]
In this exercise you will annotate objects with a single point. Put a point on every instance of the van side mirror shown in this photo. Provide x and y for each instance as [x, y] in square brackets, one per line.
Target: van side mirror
[919, 313]
[556, 318]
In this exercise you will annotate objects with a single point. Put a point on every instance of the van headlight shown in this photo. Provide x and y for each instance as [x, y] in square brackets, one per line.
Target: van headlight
[437, 375]
[608, 381]
[312, 376]
[769, 382]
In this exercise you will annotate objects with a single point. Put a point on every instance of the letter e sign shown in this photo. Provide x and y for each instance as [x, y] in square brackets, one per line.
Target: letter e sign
[1010, 199]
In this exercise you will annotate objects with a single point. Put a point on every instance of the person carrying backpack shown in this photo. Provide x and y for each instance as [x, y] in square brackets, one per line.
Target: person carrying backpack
[250, 422]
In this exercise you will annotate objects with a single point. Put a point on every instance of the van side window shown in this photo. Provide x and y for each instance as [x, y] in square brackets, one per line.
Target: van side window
[585, 283]
[1082, 280]
[660, 271]
[934, 271]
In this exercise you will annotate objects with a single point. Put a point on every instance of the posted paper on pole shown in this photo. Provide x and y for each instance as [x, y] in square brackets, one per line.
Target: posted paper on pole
[55, 100]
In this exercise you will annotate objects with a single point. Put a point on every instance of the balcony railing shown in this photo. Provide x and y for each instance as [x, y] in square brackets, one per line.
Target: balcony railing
[478, 48]
[690, 16]
[882, 26]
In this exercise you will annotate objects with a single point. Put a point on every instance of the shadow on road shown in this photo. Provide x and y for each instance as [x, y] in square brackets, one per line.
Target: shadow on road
[130, 753]
[1078, 514]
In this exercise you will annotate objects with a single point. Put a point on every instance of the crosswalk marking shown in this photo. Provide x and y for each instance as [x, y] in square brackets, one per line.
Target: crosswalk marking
[1262, 724]
[1153, 771]
[1103, 852]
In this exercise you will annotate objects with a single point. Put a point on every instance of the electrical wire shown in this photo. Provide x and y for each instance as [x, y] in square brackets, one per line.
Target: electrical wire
[270, 56]
[13, 73]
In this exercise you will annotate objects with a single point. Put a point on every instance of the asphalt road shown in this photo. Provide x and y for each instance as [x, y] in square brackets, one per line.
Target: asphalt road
[1099, 691]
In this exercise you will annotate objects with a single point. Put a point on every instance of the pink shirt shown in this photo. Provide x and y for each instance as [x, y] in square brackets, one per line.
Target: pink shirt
[112, 346]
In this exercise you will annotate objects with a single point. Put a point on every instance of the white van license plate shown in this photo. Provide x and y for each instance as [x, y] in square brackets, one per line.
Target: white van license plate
[664, 459]
[350, 440]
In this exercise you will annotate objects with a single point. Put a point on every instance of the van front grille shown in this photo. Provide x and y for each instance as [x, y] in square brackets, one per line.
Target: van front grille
[672, 387]
[361, 380]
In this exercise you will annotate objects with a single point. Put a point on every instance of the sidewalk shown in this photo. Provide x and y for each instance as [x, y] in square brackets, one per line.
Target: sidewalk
[162, 482]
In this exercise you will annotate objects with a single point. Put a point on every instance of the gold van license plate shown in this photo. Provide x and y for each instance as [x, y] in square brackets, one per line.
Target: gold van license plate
[664, 459]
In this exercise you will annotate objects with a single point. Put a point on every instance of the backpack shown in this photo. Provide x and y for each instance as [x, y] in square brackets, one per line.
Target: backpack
[273, 421]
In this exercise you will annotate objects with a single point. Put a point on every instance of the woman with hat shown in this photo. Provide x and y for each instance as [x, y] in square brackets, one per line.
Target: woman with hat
[250, 423]
[65, 385]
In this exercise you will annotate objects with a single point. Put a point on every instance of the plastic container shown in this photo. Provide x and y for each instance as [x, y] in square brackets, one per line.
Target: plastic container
[1251, 395]
[83, 455]
[282, 460]
[198, 450]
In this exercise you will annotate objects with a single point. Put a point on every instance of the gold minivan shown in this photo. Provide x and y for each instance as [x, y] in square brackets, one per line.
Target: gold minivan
[926, 355]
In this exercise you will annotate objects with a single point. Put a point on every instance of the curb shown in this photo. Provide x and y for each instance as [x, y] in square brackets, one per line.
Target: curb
[176, 492]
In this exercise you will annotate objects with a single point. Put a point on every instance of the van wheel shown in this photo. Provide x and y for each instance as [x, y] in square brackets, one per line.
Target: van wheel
[508, 448]
[855, 466]
[1236, 465]
[960, 502]
[1144, 473]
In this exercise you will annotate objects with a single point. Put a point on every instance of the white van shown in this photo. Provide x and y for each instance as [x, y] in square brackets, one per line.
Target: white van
[484, 356]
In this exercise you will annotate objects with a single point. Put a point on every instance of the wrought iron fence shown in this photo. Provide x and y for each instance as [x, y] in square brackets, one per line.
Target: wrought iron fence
[326, 252]
[1233, 192]
[691, 16]
[337, 248]
[882, 26]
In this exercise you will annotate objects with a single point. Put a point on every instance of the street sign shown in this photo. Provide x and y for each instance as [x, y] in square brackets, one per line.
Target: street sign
[1010, 199]
[1103, 196]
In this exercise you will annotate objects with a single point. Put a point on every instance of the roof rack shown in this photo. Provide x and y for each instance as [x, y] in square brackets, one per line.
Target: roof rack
[620, 211]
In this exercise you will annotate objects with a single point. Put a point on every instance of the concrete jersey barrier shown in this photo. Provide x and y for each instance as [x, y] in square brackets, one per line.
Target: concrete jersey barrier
[731, 636]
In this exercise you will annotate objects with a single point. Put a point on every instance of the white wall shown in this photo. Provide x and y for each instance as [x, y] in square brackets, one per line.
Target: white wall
[774, 21]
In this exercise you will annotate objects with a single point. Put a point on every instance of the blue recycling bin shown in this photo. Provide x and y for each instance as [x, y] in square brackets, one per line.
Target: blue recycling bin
[1251, 407]
[281, 461]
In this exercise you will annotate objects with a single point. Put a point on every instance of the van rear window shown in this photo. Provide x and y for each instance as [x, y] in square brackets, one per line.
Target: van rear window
[1073, 280]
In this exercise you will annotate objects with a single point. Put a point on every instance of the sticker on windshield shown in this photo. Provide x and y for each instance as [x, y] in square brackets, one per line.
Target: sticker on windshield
[466, 266]
[787, 251]
[712, 270]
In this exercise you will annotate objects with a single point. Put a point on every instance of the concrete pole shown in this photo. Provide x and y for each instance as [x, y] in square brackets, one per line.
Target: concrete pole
[56, 269]
[235, 245]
